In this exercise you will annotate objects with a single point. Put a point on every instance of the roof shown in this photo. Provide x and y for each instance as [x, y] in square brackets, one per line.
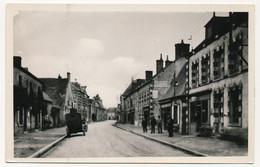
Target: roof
[46, 97]
[28, 73]
[179, 89]
[111, 110]
[217, 20]
[56, 89]
[99, 104]
[133, 85]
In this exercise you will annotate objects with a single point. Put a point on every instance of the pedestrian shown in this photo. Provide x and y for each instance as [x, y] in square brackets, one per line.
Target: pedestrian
[144, 125]
[153, 123]
[159, 123]
[170, 126]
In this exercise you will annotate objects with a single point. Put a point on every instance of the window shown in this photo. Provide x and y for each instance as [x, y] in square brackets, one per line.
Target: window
[218, 64]
[205, 69]
[31, 88]
[235, 54]
[20, 116]
[20, 81]
[195, 74]
[218, 110]
[235, 105]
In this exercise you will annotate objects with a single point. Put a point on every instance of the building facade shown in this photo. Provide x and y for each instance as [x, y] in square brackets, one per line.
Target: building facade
[81, 100]
[60, 91]
[218, 78]
[28, 99]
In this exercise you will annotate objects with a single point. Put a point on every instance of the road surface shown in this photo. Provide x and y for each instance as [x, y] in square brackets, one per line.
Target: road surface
[104, 140]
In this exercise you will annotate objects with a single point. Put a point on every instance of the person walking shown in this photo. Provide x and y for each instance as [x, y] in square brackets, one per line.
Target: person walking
[170, 126]
[144, 125]
[159, 123]
[153, 123]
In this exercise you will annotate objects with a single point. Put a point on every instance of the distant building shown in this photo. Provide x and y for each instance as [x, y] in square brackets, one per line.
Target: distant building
[28, 99]
[111, 113]
[99, 108]
[59, 90]
[129, 102]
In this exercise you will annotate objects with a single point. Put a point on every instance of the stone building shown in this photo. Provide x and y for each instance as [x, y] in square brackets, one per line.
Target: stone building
[81, 100]
[99, 108]
[60, 91]
[129, 102]
[218, 78]
[28, 99]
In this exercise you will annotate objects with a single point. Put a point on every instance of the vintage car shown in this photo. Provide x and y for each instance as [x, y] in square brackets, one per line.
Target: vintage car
[75, 123]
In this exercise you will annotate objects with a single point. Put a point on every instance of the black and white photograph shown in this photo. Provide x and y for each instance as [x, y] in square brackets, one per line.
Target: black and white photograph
[130, 83]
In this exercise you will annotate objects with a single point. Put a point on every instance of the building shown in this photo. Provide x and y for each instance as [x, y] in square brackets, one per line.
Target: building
[173, 103]
[129, 102]
[60, 91]
[81, 100]
[28, 99]
[111, 113]
[99, 108]
[218, 78]
[49, 120]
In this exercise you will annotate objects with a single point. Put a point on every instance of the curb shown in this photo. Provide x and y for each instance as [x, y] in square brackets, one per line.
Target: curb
[186, 150]
[46, 148]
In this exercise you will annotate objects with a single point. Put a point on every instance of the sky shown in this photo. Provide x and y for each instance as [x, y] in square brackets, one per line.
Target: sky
[102, 50]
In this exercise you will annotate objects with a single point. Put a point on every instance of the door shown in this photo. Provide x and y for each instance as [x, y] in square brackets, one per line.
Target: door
[198, 116]
[147, 115]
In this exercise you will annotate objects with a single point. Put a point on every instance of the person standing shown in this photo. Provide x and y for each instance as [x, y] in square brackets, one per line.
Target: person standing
[170, 126]
[153, 123]
[159, 123]
[144, 125]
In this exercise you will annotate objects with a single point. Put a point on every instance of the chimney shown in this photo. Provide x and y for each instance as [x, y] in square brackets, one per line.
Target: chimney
[159, 64]
[181, 49]
[68, 76]
[167, 62]
[59, 77]
[17, 61]
[26, 68]
[148, 75]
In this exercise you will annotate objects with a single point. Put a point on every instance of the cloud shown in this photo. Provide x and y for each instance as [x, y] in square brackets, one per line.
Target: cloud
[89, 47]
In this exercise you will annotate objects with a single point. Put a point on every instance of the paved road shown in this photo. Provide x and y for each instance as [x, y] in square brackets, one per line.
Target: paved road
[104, 140]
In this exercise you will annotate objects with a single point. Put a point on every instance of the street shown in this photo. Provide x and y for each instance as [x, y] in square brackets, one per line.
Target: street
[104, 140]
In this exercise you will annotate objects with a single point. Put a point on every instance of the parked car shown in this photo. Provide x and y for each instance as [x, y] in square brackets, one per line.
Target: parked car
[75, 123]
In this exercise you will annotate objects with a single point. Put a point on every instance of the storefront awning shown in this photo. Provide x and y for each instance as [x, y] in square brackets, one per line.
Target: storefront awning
[203, 92]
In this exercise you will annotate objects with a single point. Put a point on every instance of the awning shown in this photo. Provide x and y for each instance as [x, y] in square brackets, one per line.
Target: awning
[203, 92]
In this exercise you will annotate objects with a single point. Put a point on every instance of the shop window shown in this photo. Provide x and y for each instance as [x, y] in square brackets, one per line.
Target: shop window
[218, 63]
[235, 105]
[205, 69]
[195, 74]
[235, 54]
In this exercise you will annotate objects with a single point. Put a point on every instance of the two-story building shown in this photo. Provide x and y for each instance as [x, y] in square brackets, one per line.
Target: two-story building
[218, 77]
[28, 98]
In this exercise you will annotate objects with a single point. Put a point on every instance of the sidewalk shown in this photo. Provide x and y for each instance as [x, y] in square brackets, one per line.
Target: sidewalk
[204, 145]
[28, 143]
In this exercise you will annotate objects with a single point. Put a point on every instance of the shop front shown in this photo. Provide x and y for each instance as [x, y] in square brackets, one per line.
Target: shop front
[199, 111]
